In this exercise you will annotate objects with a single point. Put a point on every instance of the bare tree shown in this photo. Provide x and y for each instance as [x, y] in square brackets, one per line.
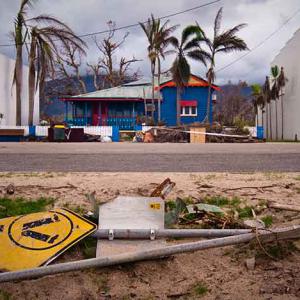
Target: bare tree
[113, 71]
[68, 66]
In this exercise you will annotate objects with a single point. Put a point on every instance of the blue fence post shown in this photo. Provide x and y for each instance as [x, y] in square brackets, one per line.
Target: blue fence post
[31, 130]
[260, 132]
[115, 134]
[138, 127]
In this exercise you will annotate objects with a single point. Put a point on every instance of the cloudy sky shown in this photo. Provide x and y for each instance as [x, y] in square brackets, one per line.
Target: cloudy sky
[262, 16]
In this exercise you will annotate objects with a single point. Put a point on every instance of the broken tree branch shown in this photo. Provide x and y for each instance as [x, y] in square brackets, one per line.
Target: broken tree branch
[251, 187]
[284, 206]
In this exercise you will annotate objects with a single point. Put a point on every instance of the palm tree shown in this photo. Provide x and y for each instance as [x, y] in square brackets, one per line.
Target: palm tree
[20, 34]
[44, 43]
[267, 100]
[187, 47]
[275, 90]
[161, 38]
[149, 29]
[158, 39]
[258, 101]
[225, 42]
[281, 84]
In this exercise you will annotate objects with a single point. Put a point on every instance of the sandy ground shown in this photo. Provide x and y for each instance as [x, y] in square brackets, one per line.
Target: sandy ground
[221, 270]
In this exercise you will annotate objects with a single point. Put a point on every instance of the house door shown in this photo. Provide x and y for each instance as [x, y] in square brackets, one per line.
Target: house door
[95, 118]
[104, 113]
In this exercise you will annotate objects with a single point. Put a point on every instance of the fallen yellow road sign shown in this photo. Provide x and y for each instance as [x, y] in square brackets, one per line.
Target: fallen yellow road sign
[36, 239]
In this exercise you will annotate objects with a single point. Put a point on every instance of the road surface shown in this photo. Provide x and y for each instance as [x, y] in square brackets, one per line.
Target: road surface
[128, 157]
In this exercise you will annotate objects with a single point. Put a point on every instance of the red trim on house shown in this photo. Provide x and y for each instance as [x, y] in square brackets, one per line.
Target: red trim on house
[185, 103]
[201, 83]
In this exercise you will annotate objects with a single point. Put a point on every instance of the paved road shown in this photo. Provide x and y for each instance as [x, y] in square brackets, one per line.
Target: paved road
[127, 157]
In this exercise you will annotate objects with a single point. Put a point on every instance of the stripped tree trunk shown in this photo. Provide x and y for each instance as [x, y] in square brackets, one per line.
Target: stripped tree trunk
[19, 82]
[31, 81]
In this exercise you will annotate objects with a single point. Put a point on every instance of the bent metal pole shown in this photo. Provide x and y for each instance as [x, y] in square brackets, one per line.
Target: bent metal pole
[166, 233]
[263, 235]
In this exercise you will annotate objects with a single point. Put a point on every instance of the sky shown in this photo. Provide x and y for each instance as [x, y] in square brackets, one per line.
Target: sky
[263, 17]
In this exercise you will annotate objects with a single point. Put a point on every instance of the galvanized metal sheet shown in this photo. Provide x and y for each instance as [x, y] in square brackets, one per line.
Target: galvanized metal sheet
[130, 213]
[36, 239]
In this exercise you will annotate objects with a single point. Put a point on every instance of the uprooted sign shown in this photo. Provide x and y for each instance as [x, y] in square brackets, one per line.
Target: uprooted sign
[36, 239]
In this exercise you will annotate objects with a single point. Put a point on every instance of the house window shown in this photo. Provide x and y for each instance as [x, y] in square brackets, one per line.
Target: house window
[188, 111]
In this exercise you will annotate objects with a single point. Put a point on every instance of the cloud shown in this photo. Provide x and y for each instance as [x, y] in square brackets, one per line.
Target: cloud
[262, 16]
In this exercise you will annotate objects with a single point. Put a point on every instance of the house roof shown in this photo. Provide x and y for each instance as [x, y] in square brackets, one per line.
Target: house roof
[194, 81]
[135, 91]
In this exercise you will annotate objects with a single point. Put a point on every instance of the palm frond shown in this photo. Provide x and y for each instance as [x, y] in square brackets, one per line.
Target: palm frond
[49, 20]
[199, 55]
[275, 71]
[218, 21]
[188, 32]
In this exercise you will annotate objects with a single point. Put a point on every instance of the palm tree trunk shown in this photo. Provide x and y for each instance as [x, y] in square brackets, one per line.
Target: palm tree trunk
[282, 115]
[153, 87]
[159, 95]
[270, 118]
[276, 111]
[31, 81]
[207, 118]
[267, 121]
[178, 107]
[19, 80]
[262, 120]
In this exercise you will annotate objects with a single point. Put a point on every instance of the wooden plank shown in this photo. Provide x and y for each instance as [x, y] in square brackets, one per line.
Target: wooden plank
[11, 132]
[197, 138]
[130, 213]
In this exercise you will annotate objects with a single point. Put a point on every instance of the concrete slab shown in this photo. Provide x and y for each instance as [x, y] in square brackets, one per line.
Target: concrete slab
[130, 213]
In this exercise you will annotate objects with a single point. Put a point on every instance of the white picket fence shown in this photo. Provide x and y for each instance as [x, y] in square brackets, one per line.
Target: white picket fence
[97, 130]
[41, 131]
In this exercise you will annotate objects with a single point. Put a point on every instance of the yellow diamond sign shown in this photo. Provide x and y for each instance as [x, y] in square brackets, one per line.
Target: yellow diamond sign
[33, 240]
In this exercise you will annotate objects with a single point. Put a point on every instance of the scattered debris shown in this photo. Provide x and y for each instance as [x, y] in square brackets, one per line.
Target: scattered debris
[204, 207]
[163, 189]
[250, 263]
[169, 135]
[254, 224]
[10, 189]
[290, 207]
[264, 236]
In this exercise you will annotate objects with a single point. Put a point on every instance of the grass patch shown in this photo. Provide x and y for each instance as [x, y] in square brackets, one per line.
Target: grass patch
[21, 206]
[279, 250]
[297, 178]
[245, 212]
[217, 200]
[200, 289]
[88, 247]
[268, 220]
[170, 205]
[5, 295]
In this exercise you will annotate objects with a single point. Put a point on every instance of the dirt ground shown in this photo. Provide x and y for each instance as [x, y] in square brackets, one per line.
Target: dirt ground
[211, 274]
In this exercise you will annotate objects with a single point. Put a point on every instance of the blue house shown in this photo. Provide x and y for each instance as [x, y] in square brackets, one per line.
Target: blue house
[125, 105]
